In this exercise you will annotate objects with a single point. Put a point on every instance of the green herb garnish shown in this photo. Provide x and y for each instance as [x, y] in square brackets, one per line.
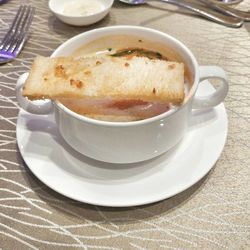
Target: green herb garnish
[140, 53]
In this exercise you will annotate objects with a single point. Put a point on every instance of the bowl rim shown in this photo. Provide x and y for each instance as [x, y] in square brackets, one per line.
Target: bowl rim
[105, 9]
[159, 117]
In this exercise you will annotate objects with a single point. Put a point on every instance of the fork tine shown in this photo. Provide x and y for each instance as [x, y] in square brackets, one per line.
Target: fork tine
[12, 29]
[17, 34]
[17, 46]
[23, 31]
[18, 29]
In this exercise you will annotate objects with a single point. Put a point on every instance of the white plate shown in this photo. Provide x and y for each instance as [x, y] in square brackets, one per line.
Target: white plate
[83, 179]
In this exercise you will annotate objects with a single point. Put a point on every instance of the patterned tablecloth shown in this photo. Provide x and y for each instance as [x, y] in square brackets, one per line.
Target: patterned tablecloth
[212, 214]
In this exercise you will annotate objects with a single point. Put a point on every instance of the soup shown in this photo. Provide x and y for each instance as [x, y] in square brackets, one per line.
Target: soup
[125, 110]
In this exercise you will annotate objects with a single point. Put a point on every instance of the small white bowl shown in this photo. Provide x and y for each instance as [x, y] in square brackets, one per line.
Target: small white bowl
[58, 6]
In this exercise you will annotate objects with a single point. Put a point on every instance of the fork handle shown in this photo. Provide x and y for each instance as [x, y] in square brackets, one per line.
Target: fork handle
[207, 13]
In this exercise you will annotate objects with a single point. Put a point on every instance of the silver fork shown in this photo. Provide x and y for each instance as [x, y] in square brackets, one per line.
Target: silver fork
[13, 41]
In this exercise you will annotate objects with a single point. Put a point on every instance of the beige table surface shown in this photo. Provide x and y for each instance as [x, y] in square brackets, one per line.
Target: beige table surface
[213, 214]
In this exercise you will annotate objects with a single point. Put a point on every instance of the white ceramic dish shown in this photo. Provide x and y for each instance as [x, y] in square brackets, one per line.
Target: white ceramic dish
[86, 180]
[129, 142]
[58, 6]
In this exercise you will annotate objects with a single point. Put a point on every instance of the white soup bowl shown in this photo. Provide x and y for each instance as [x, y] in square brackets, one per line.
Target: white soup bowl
[134, 141]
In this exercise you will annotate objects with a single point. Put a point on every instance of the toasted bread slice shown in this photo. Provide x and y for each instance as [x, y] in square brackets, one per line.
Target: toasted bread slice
[102, 77]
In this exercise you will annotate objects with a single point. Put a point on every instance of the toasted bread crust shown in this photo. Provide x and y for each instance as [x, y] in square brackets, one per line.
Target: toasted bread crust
[101, 77]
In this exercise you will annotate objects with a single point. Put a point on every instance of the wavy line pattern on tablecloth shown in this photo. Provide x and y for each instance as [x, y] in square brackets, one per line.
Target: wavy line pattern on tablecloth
[214, 214]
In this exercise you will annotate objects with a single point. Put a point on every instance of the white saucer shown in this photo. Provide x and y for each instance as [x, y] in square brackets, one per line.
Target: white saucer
[86, 180]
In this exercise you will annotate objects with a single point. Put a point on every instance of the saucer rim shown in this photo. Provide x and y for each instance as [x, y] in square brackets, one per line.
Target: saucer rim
[204, 171]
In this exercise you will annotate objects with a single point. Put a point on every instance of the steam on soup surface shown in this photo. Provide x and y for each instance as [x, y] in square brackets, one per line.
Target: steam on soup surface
[125, 110]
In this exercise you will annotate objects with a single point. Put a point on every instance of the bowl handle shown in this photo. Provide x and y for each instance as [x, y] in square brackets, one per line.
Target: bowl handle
[39, 107]
[208, 101]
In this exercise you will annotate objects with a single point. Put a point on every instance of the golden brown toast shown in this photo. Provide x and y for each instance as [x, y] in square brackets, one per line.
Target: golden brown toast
[118, 78]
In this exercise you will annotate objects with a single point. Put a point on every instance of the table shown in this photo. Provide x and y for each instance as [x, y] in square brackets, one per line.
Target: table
[212, 214]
